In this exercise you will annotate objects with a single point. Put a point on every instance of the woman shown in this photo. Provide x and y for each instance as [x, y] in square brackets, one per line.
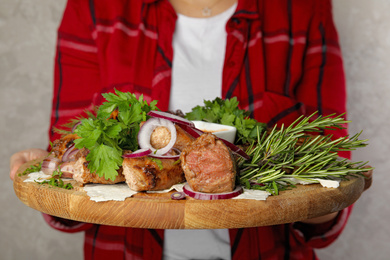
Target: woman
[281, 59]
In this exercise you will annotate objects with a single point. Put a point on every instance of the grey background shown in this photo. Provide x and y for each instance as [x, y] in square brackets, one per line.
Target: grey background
[27, 44]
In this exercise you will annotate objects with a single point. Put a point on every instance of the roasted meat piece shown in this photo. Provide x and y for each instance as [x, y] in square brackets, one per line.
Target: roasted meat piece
[208, 165]
[145, 173]
[82, 174]
[62, 144]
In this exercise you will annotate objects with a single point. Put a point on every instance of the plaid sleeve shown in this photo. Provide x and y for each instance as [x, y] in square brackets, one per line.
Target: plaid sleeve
[324, 70]
[323, 86]
[321, 235]
[66, 225]
[77, 73]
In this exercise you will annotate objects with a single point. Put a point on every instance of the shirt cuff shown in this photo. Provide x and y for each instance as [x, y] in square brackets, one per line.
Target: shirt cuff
[66, 225]
[321, 235]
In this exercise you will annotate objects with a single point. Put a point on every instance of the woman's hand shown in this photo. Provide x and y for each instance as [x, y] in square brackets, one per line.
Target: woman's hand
[20, 158]
[368, 179]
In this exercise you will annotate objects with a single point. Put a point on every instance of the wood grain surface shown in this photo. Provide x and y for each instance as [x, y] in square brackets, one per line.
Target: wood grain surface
[158, 211]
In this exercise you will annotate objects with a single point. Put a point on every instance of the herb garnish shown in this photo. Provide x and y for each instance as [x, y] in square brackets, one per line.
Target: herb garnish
[226, 112]
[106, 136]
[277, 158]
[68, 127]
[33, 168]
[57, 182]
[158, 162]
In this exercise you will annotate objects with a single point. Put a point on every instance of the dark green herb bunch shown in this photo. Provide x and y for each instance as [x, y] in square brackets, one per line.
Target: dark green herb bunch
[282, 157]
[114, 129]
[227, 112]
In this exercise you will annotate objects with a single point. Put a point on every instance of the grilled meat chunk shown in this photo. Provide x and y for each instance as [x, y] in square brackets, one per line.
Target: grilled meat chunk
[183, 138]
[208, 165]
[144, 173]
[82, 174]
[62, 144]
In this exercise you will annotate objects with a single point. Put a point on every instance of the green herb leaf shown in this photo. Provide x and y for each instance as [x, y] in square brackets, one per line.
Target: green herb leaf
[227, 112]
[105, 161]
[107, 137]
[32, 168]
[57, 182]
[158, 162]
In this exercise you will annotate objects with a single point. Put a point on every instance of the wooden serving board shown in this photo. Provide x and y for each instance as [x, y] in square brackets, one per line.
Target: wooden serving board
[158, 211]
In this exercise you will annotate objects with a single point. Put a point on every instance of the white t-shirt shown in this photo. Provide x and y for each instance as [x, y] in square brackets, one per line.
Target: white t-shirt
[199, 50]
[199, 46]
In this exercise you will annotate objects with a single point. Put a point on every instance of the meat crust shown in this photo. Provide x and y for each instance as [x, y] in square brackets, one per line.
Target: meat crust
[82, 174]
[62, 144]
[143, 173]
[208, 165]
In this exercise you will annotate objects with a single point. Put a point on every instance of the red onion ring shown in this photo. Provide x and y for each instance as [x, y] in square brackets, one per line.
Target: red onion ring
[168, 116]
[235, 149]
[176, 157]
[212, 196]
[138, 153]
[147, 129]
[193, 131]
[178, 195]
[50, 164]
[70, 153]
[75, 126]
[174, 153]
[254, 183]
[67, 170]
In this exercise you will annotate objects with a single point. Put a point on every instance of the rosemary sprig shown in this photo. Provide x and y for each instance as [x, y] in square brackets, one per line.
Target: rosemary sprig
[284, 154]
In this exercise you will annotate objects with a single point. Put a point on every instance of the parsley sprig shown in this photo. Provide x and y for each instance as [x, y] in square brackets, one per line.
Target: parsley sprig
[227, 112]
[57, 182]
[33, 168]
[106, 136]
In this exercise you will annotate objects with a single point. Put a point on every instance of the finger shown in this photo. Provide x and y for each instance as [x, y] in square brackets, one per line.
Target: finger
[321, 219]
[15, 165]
[22, 157]
[368, 178]
[35, 153]
[368, 174]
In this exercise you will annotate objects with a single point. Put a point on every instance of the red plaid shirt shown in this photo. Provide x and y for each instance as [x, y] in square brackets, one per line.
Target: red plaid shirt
[282, 60]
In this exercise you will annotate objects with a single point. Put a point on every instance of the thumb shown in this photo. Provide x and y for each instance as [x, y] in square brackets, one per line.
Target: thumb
[15, 164]
[22, 157]
[368, 179]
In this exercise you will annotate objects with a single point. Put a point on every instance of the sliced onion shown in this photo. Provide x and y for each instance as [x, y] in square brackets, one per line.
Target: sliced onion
[193, 131]
[176, 157]
[212, 196]
[174, 153]
[254, 183]
[173, 118]
[235, 149]
[70, 153]
[67, 169]
[50, 164]
[147, 129]
[75, 126]
[138, 153]
[178, 195]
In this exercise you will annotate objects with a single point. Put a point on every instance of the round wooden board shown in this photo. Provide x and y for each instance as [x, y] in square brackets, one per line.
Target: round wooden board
[158, 211]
